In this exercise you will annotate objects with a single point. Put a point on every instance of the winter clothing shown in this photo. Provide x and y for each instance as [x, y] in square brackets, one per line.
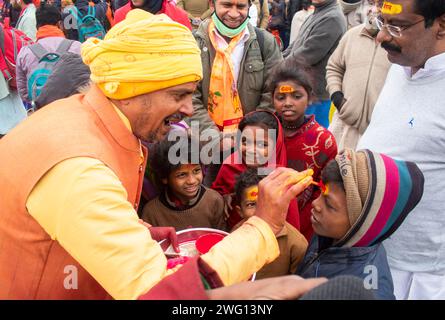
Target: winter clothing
[324, 260]
[27, 22]
[234, 166]
[407, 123]
[254, 68]
[318, 38]
[27, 61]
[70, 23]
[310, 147]
[195, 8]
[357, 69]
[206, 212]
[355, 11]
[292, 249]
[58, 85]
[380, 193]
[12, 110]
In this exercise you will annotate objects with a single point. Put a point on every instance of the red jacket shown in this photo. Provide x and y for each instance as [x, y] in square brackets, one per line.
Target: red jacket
[168, 7]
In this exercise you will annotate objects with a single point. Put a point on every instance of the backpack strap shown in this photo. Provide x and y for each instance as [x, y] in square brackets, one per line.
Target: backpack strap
[2, 39]
[64, 46]
[6, 73]
[260, 40]
[76, 13]
[92, 11]
[38, 50]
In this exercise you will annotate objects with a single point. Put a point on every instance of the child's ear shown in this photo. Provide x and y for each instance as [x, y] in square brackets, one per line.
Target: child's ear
[441, 33]
[164, 181]
[238, 210]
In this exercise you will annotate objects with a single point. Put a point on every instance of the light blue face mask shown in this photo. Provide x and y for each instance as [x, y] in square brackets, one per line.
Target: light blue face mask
[227, 31]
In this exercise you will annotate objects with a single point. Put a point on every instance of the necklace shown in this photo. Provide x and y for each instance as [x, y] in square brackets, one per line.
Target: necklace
[290, 127]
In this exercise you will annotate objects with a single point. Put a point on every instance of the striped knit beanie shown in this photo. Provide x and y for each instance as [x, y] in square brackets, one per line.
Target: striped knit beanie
[380, 192]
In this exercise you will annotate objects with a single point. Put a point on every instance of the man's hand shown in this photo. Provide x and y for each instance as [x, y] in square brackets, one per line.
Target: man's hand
[161, 233]
[278, 288]
[275, 194]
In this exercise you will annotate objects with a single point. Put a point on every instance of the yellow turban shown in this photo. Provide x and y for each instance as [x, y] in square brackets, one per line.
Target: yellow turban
[141, 54]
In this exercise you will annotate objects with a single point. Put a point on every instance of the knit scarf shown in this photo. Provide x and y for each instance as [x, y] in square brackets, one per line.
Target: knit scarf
[224, 104]
[49, 31]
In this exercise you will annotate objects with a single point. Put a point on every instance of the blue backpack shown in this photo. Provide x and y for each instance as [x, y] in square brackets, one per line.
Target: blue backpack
[88, 26]
[47, 61]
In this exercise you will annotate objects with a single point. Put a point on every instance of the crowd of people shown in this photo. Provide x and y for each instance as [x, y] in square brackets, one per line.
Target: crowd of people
[310, 132]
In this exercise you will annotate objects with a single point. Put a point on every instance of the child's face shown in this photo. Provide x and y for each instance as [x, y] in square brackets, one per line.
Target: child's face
[330, 214]
[248, 202]
[185, 181]
[290, 101]
[254, 146]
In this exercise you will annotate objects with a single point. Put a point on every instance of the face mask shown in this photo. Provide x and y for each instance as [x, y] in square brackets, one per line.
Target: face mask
[225, 30]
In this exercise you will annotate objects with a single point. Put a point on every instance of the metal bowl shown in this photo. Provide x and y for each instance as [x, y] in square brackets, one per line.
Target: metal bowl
[186, 242]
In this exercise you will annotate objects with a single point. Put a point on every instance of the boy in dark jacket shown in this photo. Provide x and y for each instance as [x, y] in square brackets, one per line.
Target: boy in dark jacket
[365, 198]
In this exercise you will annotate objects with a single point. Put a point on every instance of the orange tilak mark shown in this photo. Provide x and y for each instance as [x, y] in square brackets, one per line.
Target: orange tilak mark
[286, 89]
[252, 193]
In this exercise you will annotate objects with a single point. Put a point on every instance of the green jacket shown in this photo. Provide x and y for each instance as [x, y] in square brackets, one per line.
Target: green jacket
[251, 79]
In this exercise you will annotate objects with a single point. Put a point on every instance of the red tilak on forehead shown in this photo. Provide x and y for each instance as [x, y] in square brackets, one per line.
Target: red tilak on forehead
[323, 187]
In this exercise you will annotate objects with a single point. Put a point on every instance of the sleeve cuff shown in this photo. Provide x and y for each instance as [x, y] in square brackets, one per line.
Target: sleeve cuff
[235, 263]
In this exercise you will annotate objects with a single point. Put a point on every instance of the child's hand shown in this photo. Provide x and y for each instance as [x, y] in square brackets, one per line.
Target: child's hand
[227, 205]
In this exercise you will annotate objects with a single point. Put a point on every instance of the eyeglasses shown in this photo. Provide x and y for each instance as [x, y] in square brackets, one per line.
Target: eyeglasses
[394, 31]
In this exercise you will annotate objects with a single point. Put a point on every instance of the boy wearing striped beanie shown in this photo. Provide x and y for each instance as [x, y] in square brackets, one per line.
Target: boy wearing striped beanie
[365, 198]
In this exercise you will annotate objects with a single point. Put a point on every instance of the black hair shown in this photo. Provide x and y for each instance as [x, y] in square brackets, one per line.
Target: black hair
[294, 69]
[430, 10]
[27, 1]
[331, 174]
[262, 119]
[246, 180]
[47, 15]
[160, 163]
[249, 1]
[305, 4]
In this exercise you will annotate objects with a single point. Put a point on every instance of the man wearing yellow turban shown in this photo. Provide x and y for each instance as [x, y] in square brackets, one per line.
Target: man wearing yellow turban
[72, 176]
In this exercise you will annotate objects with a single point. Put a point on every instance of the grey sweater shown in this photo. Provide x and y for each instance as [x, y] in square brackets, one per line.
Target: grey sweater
[318, 37]
[408, 123]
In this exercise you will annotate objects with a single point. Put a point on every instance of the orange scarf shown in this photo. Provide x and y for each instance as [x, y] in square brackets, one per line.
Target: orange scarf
[224, 104]
[49, 31]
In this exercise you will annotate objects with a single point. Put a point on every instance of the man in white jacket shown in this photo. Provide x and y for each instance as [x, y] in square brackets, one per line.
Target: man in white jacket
[27, 20]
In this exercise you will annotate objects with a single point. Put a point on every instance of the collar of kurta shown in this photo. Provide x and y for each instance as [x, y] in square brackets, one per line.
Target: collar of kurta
[111, 119]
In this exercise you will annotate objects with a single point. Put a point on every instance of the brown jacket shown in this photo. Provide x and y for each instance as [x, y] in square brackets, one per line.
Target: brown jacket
[293, 246]
[31, 263]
